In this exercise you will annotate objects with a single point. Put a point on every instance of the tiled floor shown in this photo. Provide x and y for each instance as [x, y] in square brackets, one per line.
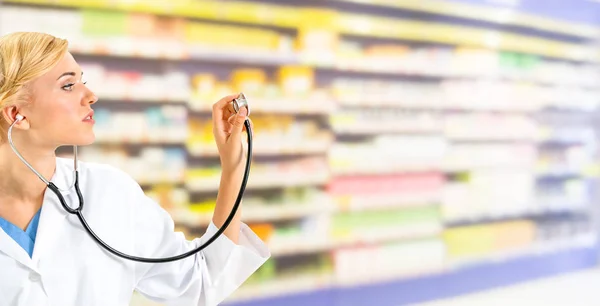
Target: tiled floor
[575, 289]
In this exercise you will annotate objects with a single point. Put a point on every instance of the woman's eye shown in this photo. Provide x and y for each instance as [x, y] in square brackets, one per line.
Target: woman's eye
[68, 87]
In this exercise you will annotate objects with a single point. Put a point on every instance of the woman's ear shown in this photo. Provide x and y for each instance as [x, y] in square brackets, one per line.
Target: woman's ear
[10, 115]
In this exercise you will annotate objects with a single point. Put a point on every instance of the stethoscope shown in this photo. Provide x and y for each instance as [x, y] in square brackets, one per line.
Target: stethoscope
[237, 104]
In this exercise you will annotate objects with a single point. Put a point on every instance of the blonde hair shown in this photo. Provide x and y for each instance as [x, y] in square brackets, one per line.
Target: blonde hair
[24, 57]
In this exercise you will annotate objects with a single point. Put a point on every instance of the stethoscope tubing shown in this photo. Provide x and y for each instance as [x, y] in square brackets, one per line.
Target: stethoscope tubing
[78, 211]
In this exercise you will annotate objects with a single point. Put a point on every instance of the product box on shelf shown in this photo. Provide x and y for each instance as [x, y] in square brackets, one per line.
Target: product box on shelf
[474, 241]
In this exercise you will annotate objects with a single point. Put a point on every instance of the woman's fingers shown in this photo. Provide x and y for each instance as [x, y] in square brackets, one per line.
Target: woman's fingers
[220, 110]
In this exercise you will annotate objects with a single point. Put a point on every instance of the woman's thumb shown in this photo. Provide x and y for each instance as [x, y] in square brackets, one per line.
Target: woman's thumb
[238, 123]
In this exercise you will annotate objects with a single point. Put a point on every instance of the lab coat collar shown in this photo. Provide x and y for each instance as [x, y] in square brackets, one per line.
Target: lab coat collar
[64, 176]
[51, 220]
[53, 215]
[11, 248]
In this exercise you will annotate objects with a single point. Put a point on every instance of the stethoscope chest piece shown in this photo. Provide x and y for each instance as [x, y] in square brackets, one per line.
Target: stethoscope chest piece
[240, 102]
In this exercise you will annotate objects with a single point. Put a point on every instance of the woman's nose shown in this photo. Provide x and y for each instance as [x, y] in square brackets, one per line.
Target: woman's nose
[90, 97]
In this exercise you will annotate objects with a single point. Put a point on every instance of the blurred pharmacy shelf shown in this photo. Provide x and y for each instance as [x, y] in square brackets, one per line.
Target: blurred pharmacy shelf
[343, 22]
[490, 14]
[257, 213]
[307, 146]
[399, 145]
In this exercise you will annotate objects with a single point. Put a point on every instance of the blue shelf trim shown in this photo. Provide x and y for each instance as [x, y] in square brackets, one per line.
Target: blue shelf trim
[463, 281]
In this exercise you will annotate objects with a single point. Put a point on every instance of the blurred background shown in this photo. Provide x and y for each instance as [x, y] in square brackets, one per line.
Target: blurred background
[405, 150]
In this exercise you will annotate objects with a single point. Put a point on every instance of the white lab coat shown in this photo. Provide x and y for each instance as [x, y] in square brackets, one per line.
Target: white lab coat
[68, 268]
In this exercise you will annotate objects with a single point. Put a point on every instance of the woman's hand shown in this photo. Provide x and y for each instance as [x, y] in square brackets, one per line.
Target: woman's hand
[227, 130]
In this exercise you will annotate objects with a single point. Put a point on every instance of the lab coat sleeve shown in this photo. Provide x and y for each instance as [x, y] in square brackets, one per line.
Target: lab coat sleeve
[228, 264]
[204, 279]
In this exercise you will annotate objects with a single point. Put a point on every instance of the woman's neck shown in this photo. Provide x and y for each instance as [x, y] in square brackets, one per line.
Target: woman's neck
[17, 182]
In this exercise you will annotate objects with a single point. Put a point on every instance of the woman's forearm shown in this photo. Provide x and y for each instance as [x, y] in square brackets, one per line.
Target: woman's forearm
[228, 191]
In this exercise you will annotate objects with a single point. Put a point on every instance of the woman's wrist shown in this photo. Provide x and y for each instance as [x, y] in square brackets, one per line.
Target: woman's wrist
[233, 172]
[231, 181]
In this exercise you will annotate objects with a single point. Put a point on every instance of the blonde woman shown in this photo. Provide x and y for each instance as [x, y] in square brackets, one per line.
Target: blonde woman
[46, 256]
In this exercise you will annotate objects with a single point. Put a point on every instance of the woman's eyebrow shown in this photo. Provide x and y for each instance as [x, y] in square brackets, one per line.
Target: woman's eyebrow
[68, 73]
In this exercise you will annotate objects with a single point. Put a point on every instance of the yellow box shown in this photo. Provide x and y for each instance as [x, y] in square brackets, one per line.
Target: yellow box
[204, 83]
[224, 36]
[249, 80]
[480, 240]
[468, 241]
[295, 80]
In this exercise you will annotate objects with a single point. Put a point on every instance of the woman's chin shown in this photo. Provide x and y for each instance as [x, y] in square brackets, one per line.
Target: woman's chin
[83, 141]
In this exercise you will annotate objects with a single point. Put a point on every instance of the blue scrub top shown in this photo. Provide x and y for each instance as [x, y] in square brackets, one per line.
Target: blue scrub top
[26, 239]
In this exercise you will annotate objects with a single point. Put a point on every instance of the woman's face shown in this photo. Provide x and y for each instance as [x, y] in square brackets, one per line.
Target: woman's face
[59, 113]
